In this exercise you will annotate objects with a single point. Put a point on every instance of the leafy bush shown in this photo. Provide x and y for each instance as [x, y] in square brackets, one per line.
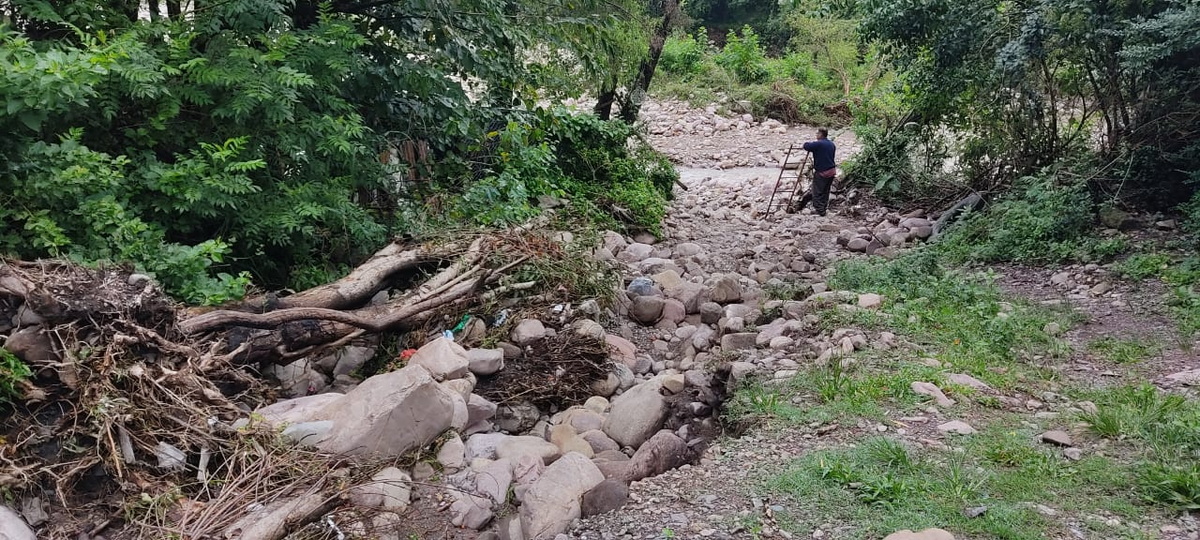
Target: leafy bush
[606, 166]
[12, 372]
[1041, 221]
[744, 57]
[683, 53]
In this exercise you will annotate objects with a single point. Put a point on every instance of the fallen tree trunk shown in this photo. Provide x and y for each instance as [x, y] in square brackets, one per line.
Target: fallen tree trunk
[360, 284]
[286, 334]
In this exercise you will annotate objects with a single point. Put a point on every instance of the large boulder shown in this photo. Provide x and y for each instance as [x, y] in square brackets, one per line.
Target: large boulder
[553, 501]
[297, 410]
[389, 414]
[636, 415]
[12, 527]
[444, 359]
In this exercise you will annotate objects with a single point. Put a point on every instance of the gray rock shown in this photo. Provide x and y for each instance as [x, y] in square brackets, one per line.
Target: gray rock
[608, 385]
[588, 327]
[1061, 438]
[870, 301]
[389, 489]
[470, 511]
[553, 501]
[599, 441]
[513, 448]
[510, 351]
[308, 433]
[296, 410]
[691, 295]
[956, 426]
[646, 309]
[636, 415]
[687, 249]
[674, 311]
[32, 345]
[726, 290]
[614, 242]
[711, 312]
[494, 480]
[635, 252]
[623, 351]
[517, 418]
[479, 409]
[485, 361]
[390, 413]
[661, 453]
[483, 445]
[169, 457]
[452, 454]
[743, 341]
[963, 379]
[642, 286]
[607, 496]
[445, 359]
[350, 358]
[668, 279]
[625, 376]
[931, 390]
[33, 509]
[527, 332]
[858, 245]
[297, 378]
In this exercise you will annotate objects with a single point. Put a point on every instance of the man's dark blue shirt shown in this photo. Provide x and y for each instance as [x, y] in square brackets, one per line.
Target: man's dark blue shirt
[823, 151]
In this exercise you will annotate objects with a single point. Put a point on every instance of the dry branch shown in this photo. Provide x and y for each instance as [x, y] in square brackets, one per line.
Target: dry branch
[363, 282]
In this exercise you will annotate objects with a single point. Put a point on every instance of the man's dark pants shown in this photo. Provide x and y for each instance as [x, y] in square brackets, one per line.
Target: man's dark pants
[820, 192]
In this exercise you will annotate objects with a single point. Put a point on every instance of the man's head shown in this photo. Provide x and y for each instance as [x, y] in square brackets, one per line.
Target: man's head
[822, 133]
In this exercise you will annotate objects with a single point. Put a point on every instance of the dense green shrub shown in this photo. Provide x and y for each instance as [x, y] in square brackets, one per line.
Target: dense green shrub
[1040, 221]
[607, 167]
[683, 53]
[744, 57]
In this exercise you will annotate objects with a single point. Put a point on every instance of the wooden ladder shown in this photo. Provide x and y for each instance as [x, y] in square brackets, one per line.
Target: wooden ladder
[789, 182]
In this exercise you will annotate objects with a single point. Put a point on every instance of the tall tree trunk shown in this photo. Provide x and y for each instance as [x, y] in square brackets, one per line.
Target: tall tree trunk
[174, 8]
[604, 103]
[632, 104]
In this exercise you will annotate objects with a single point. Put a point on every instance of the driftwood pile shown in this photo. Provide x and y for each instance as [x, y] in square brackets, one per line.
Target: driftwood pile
[129, 416]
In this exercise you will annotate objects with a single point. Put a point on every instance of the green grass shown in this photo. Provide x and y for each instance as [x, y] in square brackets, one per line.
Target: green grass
[1162, 435]
[963, 319]
[883, 485]
[1181, 274]
[1123, 351]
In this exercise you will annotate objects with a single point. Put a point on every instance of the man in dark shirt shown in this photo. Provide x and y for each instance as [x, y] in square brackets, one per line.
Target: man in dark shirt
[824, 169]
